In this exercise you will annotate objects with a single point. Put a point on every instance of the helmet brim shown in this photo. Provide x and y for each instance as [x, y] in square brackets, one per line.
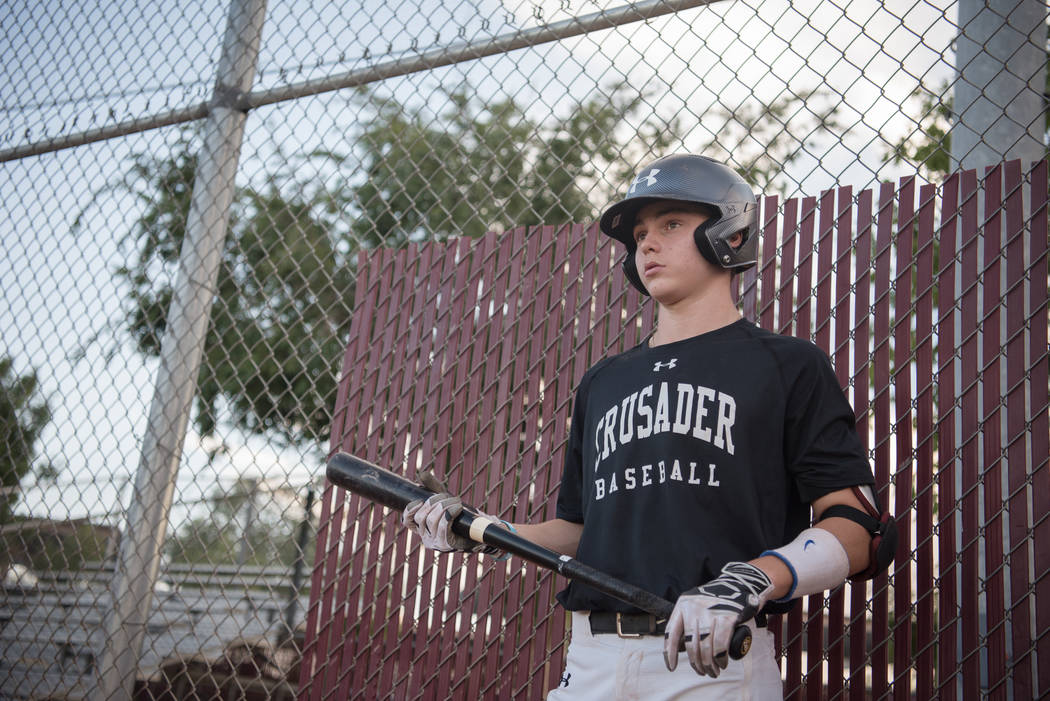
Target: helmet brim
[618, 220]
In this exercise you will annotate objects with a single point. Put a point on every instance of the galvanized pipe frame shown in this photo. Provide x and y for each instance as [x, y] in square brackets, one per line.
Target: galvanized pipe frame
[182, 349]
[428, 60]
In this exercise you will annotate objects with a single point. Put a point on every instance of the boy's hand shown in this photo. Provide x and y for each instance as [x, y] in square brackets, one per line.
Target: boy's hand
[432, 520]
[706, 617]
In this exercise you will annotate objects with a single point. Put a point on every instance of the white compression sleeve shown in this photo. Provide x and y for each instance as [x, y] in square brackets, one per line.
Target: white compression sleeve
[817, 561]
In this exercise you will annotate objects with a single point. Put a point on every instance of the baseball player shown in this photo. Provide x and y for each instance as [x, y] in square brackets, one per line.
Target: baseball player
[716, 464]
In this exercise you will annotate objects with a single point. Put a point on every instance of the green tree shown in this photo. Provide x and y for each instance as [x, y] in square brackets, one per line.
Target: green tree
[281, 315]
[248, 524]
[760, 139]
[928, 147]
[488, 167]
[23, 415]
[282, 309]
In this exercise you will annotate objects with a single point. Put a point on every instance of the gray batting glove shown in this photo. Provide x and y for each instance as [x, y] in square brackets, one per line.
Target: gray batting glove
[432, 520]
[706, 617]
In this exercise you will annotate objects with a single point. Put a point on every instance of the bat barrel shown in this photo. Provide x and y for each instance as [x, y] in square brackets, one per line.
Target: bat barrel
[373, 482]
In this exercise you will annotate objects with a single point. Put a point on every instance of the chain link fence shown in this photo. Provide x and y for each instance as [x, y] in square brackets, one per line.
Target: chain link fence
[184, 191]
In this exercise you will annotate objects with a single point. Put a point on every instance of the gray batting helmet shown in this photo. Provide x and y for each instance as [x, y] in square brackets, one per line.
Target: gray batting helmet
[700, 180]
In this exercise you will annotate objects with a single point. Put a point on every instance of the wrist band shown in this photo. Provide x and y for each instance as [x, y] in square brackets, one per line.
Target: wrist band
[817, 562]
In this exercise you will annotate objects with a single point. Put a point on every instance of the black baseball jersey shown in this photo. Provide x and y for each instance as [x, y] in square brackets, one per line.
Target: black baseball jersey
[695, 453]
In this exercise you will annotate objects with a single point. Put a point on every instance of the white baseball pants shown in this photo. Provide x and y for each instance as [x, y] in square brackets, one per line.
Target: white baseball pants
[607, 667]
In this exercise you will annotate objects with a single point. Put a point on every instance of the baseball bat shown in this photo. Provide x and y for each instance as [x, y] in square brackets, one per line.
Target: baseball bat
[394, 491]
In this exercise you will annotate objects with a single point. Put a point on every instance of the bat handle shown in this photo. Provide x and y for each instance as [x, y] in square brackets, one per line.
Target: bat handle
[739, 644]
[478, 530]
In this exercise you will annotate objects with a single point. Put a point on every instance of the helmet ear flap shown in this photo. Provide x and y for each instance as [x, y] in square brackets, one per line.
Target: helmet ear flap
[630, 270]
[704, 244]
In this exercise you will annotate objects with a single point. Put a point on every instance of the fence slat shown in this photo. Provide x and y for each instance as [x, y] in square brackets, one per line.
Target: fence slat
[806, 246]
[788, 269]
[881, 419]
[1013, 406]
[968, 443]
[1039, 431]
[816, 645]
[991, 433]
[840, 352]
[902, 435]
[766, 316]
[946, 526]
[925, 584]
[858, 632]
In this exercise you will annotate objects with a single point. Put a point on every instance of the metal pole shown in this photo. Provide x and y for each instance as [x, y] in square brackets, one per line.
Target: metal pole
[181, 352]
[1000, 59]
[249, 518]
[299, 567]
[412, 63]
[466, 51]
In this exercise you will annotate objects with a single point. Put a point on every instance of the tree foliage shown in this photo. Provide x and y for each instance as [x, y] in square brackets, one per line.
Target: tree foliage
[761, 139]
[23, 415]
[488, 167]
[282, 307]
[281, 313]
[242, 526]
[928, 147]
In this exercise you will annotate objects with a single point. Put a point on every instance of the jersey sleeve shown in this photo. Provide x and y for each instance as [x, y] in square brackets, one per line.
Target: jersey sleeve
[570, 493]
[822, 449]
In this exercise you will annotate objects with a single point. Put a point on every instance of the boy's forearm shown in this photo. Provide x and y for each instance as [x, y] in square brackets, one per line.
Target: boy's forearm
[557, 535]
[854, 541]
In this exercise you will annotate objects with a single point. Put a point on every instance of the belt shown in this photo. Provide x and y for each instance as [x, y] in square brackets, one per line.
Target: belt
[636, 625]
[626, 625]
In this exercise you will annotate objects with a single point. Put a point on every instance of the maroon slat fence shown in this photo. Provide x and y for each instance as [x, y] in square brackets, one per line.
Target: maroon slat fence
[931, 302]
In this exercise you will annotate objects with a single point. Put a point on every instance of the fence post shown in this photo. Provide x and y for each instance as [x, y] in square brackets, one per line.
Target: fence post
[181, 353]
[1001, 71]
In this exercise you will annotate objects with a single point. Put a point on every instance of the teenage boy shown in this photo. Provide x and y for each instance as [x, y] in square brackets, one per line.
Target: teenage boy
[694, 462]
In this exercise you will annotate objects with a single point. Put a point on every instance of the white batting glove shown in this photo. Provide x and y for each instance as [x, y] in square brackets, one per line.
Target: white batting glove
[431, 520]
[706, 617]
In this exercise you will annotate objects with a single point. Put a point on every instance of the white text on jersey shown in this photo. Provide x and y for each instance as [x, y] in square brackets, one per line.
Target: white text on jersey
[706, 414]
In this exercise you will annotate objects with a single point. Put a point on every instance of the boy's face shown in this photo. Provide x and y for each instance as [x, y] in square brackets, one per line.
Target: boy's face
[669, 263]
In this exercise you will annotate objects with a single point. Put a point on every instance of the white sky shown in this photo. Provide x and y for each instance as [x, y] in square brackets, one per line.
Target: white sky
[58, 289]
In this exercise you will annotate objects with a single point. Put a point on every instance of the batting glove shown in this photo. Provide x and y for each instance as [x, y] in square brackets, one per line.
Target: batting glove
[706, 617]
[432, 519]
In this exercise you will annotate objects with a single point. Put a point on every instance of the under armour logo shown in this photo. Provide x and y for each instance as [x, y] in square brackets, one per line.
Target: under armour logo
[649, 178]
[669, 365]
[565, 680]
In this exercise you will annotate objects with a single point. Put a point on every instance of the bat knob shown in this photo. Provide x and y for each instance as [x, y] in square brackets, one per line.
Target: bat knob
[740, 644]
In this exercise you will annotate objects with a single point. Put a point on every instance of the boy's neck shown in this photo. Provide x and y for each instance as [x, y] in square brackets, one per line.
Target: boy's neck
[694, 316]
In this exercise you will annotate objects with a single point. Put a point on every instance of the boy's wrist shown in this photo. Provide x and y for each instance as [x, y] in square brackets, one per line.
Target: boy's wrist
[778, 574]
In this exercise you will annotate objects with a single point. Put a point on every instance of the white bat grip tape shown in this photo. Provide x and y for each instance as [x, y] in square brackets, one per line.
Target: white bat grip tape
[477, 528]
